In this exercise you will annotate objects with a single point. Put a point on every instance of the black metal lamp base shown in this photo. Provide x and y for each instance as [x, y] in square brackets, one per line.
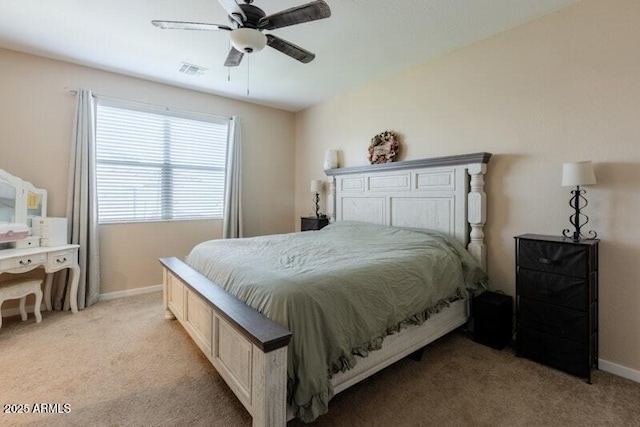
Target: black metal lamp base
[575, 219]
[317, 203]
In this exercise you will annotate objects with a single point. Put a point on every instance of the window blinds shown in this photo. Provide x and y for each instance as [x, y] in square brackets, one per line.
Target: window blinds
[155, 165]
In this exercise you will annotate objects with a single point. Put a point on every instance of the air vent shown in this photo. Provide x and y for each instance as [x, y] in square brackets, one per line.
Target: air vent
[191, 70]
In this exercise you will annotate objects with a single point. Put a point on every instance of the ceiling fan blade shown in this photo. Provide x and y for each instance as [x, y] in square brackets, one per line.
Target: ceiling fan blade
[181, 25]
[288, 48]
[234, 58]
[296, 15]
[234, 11]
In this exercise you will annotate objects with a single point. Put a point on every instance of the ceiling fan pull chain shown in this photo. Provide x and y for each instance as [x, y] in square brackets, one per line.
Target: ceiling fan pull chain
[228, 67]
[248, 68]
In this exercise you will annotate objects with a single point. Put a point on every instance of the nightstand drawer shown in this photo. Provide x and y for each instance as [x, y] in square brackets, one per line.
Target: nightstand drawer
[569, 356]
[554, 320]
[567, 291]
[551, 257]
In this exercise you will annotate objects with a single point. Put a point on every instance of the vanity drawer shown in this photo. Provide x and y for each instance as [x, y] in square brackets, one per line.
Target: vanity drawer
[25, 261]
[552, 257]
[60, 259]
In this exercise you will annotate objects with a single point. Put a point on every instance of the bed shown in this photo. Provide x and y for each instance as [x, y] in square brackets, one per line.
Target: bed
[236, 315]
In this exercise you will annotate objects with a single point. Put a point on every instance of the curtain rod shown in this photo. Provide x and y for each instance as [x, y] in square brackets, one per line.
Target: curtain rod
[112, 98]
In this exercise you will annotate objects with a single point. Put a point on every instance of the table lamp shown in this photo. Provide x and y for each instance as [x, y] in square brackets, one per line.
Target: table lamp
[316, 187]
[574, 175]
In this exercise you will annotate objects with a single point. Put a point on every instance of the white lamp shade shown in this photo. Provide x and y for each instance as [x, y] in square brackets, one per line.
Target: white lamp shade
[330, 159]
[316, 186]
[248, 40]
[578, 173]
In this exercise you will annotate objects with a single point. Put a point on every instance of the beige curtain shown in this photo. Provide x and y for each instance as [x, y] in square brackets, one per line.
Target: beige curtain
[82, 206]
[232, 223]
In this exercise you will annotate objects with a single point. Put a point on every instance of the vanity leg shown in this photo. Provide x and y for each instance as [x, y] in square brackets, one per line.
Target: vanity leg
[36, 308]
[23, 309]
[75, 278]
[47, 291]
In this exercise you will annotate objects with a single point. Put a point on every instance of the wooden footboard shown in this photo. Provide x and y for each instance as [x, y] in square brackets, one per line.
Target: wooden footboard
[248, 350]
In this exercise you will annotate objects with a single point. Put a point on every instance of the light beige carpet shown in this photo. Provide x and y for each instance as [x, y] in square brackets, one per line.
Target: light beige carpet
[119, 363]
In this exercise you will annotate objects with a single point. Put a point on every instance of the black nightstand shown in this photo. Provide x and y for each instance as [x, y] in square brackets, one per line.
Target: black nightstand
[312, 223]
[557, 302]
[492, 319]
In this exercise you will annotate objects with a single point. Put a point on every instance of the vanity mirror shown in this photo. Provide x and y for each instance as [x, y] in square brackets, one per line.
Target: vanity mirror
[20, 200]
[7, 202]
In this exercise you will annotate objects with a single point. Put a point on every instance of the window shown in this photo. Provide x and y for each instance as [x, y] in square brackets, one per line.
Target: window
[157, 165]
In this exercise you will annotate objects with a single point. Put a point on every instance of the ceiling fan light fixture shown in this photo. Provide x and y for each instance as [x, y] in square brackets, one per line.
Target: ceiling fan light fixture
[248, 40]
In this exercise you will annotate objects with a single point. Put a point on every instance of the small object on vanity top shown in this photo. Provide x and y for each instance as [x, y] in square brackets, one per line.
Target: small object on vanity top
[11, 232]
[28, 242]
[53, 231]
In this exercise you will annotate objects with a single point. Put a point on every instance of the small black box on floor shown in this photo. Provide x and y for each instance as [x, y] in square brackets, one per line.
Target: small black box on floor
[492, 319]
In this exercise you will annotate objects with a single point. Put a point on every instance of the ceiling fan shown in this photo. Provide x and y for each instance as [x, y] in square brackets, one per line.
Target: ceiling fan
[246, 23]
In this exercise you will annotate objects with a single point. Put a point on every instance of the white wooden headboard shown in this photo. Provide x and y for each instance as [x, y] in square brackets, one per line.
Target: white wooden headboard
[443, 193]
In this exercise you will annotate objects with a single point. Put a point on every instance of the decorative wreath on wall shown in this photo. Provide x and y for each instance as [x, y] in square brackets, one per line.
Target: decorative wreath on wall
[383, 148]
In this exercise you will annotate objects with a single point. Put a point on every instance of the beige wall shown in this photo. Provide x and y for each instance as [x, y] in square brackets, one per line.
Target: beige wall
[563, 88]
[36, 116]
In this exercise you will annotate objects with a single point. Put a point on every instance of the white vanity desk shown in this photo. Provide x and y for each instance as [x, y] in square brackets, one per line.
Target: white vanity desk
[52, 259]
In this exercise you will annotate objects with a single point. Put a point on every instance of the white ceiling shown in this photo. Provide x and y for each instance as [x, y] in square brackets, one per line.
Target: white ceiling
[363, 40]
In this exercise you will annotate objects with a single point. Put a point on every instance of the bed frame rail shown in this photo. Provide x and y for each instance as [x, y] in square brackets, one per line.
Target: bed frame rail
[248, 350]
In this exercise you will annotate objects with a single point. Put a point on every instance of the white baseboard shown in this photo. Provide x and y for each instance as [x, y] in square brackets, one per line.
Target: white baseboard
[619, 370]
[130, 292]
[102, 297]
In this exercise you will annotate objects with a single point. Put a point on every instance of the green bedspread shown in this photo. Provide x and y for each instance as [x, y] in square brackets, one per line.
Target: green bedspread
[339, 290]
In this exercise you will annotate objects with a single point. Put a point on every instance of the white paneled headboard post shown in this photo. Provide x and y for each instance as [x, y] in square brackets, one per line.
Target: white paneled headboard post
[477, 212]
[442, 193]
[331, 199]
